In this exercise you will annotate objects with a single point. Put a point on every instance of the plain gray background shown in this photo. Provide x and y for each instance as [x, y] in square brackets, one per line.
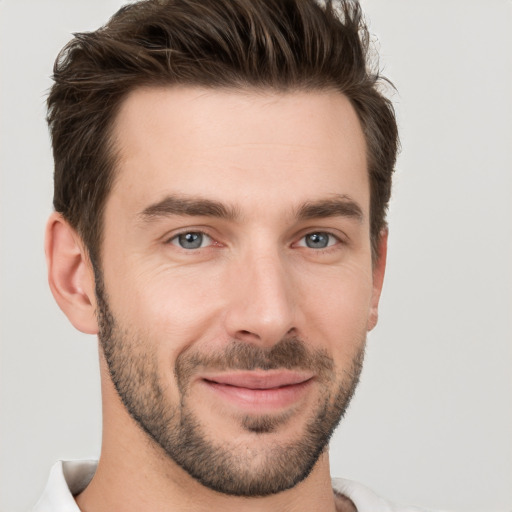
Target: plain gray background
[431, 423]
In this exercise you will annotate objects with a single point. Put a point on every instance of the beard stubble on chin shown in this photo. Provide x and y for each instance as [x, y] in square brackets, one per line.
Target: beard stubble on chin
[229, 468]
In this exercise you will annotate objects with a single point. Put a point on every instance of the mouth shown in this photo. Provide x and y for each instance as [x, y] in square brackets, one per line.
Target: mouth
[259, 391]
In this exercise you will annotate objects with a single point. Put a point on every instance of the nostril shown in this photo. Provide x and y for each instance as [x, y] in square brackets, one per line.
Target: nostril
[245, 335]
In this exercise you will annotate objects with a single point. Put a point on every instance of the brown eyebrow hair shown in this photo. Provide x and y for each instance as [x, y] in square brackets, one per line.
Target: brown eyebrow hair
[190, 206]
[340, 205]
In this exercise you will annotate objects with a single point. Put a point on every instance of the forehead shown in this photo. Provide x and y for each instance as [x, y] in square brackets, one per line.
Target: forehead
[248, 144]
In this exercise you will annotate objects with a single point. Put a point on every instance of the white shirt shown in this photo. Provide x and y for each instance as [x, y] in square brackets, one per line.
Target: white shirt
[69, 478]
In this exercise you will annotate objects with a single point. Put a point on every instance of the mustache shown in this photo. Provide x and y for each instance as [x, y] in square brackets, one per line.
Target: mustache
[288, 353]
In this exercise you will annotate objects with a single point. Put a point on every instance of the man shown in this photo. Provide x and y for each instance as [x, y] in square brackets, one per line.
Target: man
[222, 173]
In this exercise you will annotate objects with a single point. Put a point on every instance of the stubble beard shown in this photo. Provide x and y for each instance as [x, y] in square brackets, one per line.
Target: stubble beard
[265, 467]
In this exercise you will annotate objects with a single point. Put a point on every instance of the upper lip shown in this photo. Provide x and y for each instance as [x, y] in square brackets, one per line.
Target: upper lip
[259, 379]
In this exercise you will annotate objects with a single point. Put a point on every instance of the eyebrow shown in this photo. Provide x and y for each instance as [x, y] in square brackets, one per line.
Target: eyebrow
[188, 206]
[338, 206]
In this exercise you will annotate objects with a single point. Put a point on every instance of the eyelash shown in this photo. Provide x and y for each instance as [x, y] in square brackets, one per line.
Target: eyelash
[330, 238]
[330, 246]
[191, 232]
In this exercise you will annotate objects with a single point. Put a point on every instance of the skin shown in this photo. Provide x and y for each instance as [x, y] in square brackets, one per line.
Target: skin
[262, 155]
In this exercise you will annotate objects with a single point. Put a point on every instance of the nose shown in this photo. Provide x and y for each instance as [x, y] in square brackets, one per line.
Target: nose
[261, 309]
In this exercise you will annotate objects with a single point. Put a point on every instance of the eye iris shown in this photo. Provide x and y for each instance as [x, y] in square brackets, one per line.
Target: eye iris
[317, 240]
[190, 240]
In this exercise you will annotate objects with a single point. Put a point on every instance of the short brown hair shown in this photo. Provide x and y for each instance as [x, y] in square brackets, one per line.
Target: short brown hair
[273, 44]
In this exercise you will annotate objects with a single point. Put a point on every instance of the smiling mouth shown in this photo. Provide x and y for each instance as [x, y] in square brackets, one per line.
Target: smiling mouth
[264, 391]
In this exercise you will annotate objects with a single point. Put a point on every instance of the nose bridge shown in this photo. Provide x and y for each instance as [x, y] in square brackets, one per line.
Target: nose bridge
[262, 309]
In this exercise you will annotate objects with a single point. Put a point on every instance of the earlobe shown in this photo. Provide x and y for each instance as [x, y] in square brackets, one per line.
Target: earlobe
[70, 274]
[379, 269]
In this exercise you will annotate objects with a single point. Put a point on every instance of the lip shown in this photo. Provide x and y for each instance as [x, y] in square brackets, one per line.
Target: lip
[259, 391]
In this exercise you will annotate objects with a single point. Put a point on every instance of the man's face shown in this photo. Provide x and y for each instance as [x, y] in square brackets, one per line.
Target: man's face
[236, 286]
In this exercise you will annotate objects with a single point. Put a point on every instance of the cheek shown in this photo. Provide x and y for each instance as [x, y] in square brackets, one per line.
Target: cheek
[172, 309]
[337, 307]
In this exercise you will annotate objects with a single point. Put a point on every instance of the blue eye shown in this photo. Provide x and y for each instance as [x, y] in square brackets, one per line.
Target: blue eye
[191, 240]
[318, 240]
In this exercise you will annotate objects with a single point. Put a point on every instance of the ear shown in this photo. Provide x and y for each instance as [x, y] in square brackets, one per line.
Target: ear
[379, 269]
[70, 274]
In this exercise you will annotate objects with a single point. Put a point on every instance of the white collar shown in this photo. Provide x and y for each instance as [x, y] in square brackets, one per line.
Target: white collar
[67, 479]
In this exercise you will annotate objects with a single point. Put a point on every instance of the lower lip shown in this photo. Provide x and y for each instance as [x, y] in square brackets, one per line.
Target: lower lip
[260, 400]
